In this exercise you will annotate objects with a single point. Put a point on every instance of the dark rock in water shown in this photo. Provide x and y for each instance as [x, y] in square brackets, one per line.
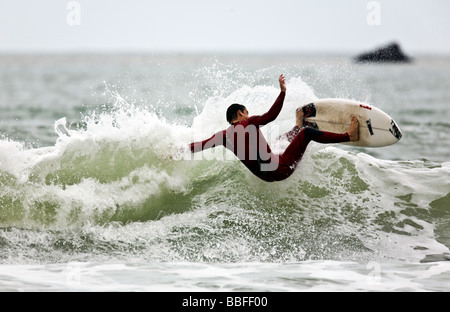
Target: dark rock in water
[390, 53]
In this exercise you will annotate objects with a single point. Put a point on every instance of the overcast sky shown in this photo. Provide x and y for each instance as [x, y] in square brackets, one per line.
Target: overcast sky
[249, 26]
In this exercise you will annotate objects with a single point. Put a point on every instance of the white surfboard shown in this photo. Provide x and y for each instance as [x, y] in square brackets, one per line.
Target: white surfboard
[376, 128]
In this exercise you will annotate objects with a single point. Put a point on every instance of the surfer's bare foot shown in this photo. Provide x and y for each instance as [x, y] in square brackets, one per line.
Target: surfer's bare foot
[299, 117]
[353, 131]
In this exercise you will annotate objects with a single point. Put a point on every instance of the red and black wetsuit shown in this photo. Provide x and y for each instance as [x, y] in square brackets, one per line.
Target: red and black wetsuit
[247, 142]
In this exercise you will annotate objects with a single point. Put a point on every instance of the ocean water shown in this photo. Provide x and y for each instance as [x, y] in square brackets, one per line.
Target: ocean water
[96, 193]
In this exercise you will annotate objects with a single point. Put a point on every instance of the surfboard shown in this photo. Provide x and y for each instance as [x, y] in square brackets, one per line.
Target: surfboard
[376, 128]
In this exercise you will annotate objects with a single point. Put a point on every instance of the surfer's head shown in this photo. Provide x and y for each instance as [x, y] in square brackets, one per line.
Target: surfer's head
[234, 111]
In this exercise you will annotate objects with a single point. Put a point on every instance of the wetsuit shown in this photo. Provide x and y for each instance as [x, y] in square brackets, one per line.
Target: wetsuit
[247, 142]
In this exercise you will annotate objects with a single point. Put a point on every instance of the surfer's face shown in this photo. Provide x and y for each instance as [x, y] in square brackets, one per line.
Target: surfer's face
[243, 114]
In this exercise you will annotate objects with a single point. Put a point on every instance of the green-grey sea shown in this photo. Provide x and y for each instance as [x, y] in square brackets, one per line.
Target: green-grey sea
[95, 194]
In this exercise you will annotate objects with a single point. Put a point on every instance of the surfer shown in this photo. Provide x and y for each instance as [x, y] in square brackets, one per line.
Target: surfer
[245, 140]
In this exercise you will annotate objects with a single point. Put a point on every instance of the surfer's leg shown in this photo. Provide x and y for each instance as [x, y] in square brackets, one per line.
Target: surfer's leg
[326, 137]
[290, 135]
[295, 150]
[299, 117]
[353, 131]
[351, 135]
[289, 160]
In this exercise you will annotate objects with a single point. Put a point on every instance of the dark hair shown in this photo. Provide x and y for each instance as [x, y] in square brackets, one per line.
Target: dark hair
[232, 111]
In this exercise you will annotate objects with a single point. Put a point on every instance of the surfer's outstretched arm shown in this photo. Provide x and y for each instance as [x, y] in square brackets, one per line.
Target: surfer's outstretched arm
[275, 110]
[282, 81]
[215, 140]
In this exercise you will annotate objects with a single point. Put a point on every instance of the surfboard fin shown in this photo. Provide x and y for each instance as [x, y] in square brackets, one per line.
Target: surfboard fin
[395, 130]
[369, 126]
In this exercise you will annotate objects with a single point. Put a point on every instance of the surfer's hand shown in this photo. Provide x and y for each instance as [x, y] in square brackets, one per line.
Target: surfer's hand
[179, 153]
[282, 83]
